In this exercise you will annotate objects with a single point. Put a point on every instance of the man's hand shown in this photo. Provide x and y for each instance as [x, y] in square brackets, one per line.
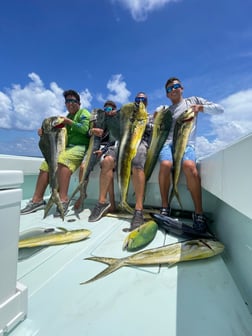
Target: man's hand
[96, 131]
[197, 108]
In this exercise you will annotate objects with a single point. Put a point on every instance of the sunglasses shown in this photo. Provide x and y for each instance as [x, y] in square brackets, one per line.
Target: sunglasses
[174, 86]
[108, 109]
[73, 101]
[140, 99]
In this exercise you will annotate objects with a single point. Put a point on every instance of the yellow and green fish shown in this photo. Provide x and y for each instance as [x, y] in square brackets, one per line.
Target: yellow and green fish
[52, 142]
[161, 128]
[134, 120]
[96, 119]
[169, 254]
[53, 236]
[141, 236]
[182, 131]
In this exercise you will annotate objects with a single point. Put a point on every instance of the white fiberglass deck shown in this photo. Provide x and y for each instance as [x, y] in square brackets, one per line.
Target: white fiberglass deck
[193, 298]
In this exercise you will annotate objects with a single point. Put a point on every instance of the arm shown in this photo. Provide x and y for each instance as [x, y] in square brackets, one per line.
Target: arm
[80, 122]
[203, 105]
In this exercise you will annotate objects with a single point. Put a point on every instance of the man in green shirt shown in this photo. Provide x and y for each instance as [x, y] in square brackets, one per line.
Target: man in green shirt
[77, 125]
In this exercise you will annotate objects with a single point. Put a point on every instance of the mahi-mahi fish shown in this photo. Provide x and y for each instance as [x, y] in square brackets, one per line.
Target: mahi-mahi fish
[134, 119]
[51, 143]
[161, 127]
[96, 119]
[169, 254]
[54, 237]
[182, 131]
[141, 236]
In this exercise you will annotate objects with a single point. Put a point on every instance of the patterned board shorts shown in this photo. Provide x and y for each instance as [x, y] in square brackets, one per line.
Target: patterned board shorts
[166, 153]
[71, 157]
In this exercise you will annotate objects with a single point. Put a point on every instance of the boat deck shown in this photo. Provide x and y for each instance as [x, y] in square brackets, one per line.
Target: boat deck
[191, 298]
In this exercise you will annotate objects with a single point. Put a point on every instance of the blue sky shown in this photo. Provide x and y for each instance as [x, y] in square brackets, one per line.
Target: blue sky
[111, 49]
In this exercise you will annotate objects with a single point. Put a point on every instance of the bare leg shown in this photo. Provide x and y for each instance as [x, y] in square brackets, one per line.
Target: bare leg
[138, 180]
[106, 178]
[164, 179]
[194, 184]
[42, 183]
[64, 175]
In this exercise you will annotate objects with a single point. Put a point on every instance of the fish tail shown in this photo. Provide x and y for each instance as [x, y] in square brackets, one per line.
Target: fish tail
[125, 206]
[83, 189]
[48, 206]
[175, 193]
[75, 192]
[171, 195]
[114, 264]
[178, 198]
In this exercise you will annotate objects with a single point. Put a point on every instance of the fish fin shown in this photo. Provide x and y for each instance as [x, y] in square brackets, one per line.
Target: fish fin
[171, 264]
[104, 260]
[114, 264]
[126, 243]
[62, 229]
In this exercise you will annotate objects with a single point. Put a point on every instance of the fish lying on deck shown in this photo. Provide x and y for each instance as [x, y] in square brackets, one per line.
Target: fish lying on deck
[169, 254]
[91, 159]
[141, 236]
[176, 227]
[134, 119]
[160, 131]
[51, 143]
[182, 131]
[53, 236]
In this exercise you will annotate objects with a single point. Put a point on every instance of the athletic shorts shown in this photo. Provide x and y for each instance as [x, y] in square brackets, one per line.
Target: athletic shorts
[71, 157]
[138, 161]
[166, 153]
[112, 151]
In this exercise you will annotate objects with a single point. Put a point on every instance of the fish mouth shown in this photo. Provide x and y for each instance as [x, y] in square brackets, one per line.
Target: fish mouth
[188, 119]
[58, 122]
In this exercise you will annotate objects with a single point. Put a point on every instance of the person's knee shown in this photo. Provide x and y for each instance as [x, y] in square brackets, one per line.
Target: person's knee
[165, 165]
[189, 167]
[107, 163]
[137, 171]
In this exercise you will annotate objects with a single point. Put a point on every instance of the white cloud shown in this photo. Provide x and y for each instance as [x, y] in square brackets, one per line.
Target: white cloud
[86, 98]
[118, 90]
[140, 9]
[5, 110]
[233, 124]
[118, 86]
[236, 120]
[25, 107]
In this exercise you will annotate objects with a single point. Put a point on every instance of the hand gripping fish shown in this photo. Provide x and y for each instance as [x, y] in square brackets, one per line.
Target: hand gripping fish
[96, 120]
[133, 123]
[182, 131]
[160, 131]
[51, 143]
[169, 254]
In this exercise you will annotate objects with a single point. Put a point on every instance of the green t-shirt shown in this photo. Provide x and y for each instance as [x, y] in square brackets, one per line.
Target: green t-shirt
[77, 132]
